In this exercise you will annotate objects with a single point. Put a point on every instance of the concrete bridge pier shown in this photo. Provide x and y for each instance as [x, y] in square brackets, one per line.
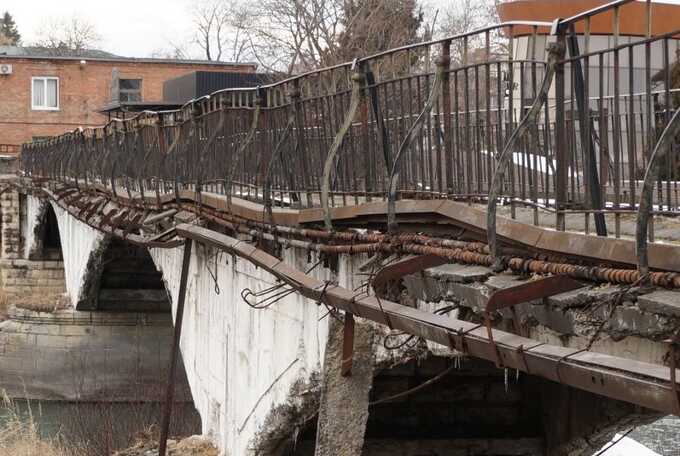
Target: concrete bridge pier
[343, 408]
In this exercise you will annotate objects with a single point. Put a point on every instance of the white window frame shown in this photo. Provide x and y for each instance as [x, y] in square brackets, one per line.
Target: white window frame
[44, 79]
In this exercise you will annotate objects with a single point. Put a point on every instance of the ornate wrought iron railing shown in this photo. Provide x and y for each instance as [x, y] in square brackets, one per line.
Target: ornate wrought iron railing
[425, 121]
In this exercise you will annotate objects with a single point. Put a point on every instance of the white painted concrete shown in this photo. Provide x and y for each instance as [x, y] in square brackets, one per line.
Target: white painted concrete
[241, 362]
[78, 240]
[621, 445]
[33, 206]
[33, 215]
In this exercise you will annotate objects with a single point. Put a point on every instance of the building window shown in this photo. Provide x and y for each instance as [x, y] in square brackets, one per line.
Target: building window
[40, 138]
[129, 90]
[45, 92]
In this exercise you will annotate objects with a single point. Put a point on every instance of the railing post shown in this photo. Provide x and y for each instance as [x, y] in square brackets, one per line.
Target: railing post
[358, 85]
[562, 163]
[410, 136]
[555, 55]
[446, 107]
[295, 97]
[663, 146]
[383, 134]
[587, 143]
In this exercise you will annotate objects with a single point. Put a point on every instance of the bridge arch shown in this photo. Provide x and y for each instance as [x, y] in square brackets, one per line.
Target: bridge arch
[43, 241]
[122, 277]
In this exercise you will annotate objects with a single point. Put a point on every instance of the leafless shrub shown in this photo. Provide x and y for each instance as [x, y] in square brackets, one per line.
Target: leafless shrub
[68, 36]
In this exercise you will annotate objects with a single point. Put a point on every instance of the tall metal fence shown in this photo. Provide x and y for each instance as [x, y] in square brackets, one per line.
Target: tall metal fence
[576, 128]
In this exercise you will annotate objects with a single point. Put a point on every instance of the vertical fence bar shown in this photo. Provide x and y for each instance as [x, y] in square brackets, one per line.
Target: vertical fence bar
[446, 106]
[650, 104]
[560, 138]
[587, 145]
[617, 124]
[511, 114]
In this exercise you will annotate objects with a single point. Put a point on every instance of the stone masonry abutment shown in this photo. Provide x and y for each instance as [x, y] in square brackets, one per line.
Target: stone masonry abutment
[67, 334]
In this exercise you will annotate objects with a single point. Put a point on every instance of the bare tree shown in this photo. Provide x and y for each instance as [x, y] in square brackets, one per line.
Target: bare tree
[372, 26]
[68, 36]
[292, 36]
[175, 51]
[302, 35]
[466, 16]
[220, 29]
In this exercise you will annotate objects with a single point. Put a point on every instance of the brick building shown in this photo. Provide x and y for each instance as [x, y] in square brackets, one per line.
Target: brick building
[43, 95]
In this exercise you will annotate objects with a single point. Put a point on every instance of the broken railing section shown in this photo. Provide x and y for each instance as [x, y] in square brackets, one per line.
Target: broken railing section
[644, 384]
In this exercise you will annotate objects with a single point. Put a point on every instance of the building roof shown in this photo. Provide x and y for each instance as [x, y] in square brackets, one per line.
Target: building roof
[42, 53]
[632, 16]
[135, 106]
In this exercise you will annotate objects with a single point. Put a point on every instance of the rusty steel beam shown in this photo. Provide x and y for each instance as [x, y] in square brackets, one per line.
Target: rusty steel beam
[644, 384]
[526, 292]
[174, 354]
[531, 291]
[104, 224]
[405, 267]
[450, 250]
[662, 256]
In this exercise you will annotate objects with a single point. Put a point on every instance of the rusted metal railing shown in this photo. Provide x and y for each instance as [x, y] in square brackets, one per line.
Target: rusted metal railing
[425, 121]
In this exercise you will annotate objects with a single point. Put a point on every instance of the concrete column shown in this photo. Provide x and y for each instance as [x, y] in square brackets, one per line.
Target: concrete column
[343, 409]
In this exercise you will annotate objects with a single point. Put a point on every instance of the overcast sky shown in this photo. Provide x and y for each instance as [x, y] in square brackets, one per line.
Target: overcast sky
[133, 28]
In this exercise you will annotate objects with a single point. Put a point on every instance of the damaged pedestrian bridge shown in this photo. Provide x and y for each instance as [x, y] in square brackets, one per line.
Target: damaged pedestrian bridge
[389, 256]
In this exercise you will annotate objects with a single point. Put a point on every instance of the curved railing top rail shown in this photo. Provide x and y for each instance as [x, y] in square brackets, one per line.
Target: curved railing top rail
[594, 12]
[189, 105]
[371, 57]
[559, 25]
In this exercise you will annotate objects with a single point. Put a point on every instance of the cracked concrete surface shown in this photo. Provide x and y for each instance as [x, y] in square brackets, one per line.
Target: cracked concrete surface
[611, 319]
[344, 400]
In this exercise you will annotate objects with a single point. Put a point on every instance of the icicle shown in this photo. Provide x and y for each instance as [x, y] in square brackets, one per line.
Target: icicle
[506, 379]
[516, 375]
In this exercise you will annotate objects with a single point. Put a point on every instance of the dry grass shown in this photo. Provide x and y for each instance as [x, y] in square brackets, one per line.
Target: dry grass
[19, 436]
[147, 442]
[4, 305]
[45, 303]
